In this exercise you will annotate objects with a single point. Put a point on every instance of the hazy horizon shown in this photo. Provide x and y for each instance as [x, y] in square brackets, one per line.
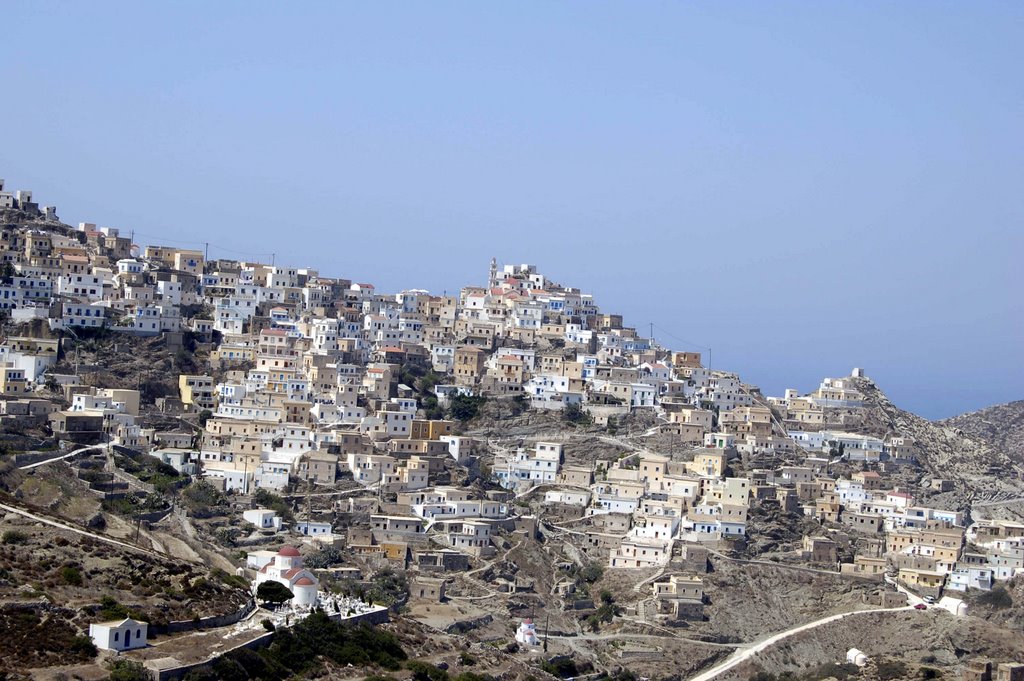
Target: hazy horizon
[804, 188]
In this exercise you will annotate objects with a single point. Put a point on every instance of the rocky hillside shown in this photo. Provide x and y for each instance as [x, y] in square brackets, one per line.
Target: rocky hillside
[980, 470]
[1002, 426]
[14, 216]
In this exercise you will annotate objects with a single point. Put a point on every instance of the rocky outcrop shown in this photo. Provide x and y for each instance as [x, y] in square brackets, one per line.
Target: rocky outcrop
[980, 470]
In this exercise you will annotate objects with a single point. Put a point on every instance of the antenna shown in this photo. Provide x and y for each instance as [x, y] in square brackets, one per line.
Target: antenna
[547, 621]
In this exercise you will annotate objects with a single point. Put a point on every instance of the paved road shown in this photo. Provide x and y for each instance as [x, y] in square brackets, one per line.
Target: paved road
[61, 457]
[741, 656]
[912, 598]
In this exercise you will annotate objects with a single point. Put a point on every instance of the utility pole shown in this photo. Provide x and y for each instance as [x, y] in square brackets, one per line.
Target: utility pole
[206, 258]
[547, 621]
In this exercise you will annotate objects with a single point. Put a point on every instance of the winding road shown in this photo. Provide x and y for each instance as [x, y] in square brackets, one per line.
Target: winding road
[61, 457]
[745, 654]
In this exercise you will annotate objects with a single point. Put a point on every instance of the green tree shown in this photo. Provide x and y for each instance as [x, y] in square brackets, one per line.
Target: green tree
[520, 403]
[203, 500]
[464, 407]
[274, 592]
[574, 414]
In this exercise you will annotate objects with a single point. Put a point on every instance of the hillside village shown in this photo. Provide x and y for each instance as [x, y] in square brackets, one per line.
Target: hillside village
[515, 465]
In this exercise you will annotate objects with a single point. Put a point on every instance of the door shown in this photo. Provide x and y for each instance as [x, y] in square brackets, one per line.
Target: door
[128, 638]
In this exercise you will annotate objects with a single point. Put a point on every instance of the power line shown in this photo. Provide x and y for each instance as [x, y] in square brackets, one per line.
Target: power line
[206, 244]
[681, 340]
[685, 342]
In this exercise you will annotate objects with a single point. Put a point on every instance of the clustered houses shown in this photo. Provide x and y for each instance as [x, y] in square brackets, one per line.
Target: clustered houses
[313, 381]
[87, 278]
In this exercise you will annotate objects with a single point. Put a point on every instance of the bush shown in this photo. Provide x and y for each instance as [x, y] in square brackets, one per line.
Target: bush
[110, 609]
[201, 674]
[930, 673]
[324, 558]
[520, 403]
[562, 667]
[387, 587]
[268, 625]
[591, 573]
[14, 537]
[82, 647]
[998, 598]
[890, 669]
[838, 671]
[574, 414]
[203, 500]
[128, 670]
[71, 575]
[267, 499]
[421, 671]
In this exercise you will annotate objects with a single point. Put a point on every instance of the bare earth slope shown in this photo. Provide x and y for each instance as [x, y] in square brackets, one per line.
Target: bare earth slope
[1002, 426]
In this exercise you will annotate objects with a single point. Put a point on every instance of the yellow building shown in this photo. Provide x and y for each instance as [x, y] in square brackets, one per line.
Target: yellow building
[423, 429]
[922, 579]
[196, 391]
[710, 463]
[13, 381]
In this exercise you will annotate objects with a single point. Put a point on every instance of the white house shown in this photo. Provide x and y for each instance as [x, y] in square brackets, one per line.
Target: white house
[537, 467]
[263, 518]
[313, 529]
[126, 634]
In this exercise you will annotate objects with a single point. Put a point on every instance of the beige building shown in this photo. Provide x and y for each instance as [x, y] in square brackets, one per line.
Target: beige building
[469, 364]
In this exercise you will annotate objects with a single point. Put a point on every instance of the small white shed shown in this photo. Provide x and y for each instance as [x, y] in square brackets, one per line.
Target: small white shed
[953, 605]
[126, 634]
[854, 656]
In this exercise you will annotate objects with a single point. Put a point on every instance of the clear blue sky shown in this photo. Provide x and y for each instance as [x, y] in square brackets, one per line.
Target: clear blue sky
[805, 187]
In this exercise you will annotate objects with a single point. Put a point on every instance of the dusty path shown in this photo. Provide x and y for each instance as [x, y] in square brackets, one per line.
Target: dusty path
[745, 654]
[79, 530]
[62, 457]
